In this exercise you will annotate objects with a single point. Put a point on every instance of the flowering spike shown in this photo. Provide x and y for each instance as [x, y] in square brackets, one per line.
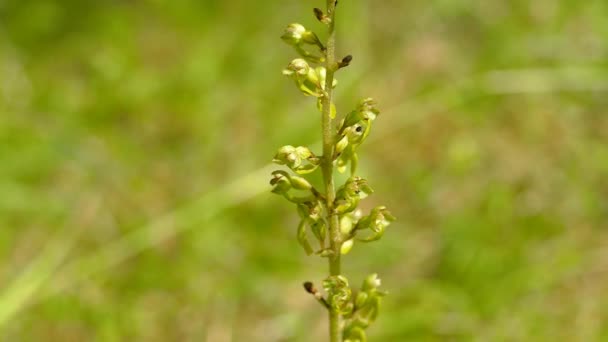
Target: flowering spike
[331, 216]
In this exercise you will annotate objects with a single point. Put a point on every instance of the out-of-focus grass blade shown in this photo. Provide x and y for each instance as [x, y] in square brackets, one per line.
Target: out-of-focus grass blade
[17, 294]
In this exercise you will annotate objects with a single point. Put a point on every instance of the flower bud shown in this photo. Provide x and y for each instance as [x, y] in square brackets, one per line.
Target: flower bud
[361, 299]
[341, 145]
[293, 34]
[322, 75]
[371, 282]
[345, 61]
[303, 238]
[346, 246]
[346, 224]
[300, 183]
[369, 312]
[368, 109]
[322, 17]
[296, 35]
[319, 229]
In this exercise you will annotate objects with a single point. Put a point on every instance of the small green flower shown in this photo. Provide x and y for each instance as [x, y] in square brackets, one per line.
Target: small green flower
[309, 81]
[338, 294]
[348, 196]
[299, 159]
[376, 221]
[353, 130]
[311, 214]
[366, 111]
[280, 182]
[305, 77]
[296, 34]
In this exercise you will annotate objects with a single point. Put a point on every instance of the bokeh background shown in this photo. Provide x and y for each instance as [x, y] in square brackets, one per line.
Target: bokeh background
[135, 137]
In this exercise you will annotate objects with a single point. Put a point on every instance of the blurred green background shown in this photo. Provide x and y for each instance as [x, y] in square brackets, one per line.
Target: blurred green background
[135, 137]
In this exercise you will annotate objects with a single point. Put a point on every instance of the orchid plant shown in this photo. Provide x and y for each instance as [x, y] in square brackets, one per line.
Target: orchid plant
[331, 215]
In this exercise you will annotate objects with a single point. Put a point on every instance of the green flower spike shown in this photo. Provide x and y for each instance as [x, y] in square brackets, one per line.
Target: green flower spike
[299, 159]
[331, 217]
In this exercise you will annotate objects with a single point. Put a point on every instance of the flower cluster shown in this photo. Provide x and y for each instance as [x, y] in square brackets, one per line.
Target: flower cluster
[364, 311]
[331, 218]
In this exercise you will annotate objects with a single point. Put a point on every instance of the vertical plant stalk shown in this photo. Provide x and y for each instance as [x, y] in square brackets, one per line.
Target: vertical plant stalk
[331, 216]
[335, 239]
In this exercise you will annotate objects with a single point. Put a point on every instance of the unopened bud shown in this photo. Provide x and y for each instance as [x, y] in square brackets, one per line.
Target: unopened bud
[297, 35]
[341, 145]
[371, 282]
[346, 246]
[293, 34]
[345, 61]
[300, 183]
[361, 299]
[310, 287]
[321, 16]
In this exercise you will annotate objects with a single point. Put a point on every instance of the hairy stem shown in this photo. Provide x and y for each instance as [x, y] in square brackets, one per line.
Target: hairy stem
[327, 166]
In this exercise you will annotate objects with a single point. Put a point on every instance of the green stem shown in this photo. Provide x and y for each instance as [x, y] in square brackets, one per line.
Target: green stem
[335, 240]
